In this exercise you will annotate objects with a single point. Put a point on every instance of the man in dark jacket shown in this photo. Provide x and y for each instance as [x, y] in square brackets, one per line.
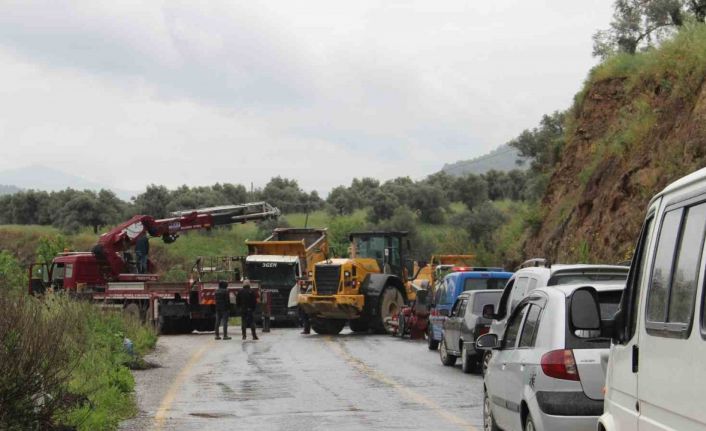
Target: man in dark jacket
[222, 308]
[246, 302]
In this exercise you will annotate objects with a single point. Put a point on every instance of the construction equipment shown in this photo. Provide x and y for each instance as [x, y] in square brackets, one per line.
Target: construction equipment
[107, 274]
[367, 289]
[413, 319]
[284, 261]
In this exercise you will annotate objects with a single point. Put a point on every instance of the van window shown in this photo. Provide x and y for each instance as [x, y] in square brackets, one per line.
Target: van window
[673, 289]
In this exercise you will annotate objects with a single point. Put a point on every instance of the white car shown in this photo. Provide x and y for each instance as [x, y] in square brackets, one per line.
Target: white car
[536, 273]
[656, 377]
[543, 375]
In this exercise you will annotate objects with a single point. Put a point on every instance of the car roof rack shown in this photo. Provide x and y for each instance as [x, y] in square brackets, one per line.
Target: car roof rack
[536, 262]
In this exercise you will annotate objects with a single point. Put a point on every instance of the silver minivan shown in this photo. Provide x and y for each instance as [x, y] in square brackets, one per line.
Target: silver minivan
[542, 374]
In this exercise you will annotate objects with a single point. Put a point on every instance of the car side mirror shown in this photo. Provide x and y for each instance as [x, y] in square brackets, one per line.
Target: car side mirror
[585, 313]
[488, 342]
[444, 312]
[489, 311]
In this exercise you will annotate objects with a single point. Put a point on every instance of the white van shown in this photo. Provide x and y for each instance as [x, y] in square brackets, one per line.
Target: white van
[656, 375]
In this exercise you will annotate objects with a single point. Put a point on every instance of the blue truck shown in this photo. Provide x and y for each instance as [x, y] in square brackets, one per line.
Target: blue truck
[455, 283]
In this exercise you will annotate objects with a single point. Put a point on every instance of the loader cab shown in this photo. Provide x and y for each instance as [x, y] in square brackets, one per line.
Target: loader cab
[389, 249]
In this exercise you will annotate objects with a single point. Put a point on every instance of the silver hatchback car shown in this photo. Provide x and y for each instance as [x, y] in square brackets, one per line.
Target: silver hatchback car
[541, 376]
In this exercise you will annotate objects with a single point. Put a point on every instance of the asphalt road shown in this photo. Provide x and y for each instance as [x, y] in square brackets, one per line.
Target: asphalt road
[288, 381]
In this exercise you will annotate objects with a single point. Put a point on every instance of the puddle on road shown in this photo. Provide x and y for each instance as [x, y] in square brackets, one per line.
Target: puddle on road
[212, 415]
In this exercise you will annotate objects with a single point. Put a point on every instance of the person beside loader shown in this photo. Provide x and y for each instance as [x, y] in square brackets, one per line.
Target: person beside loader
[222, 308]
[246, 301]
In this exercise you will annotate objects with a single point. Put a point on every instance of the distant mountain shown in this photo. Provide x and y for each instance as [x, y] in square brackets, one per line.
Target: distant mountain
[40, 177]
[8, 190]
[502, 158]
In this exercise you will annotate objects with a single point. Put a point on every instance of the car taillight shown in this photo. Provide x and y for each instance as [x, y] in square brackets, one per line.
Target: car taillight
[560, 364]
[483, 330]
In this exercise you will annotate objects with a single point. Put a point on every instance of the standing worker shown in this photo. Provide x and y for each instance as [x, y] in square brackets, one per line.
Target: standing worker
[142, 249]
[222, 308]
[246, 302]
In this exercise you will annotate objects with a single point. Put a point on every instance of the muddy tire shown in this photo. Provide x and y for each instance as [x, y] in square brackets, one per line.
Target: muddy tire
[327, 326]
[468, 362]
[432, 344]
[446, 358]
[488, 418]
[359, 325]
[390, 303]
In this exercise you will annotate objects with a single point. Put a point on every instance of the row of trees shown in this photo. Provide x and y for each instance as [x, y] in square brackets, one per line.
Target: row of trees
[430, 197]
[71, 210]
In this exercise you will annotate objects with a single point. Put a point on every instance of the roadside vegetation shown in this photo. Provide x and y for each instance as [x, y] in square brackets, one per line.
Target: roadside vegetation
[63, 363]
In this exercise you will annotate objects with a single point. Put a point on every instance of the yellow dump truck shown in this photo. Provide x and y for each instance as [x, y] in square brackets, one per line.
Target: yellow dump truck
[283, 261]
[367, 289]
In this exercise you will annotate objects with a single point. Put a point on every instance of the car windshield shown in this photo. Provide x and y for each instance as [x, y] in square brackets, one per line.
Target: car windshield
[280, 274]
[483, 283]
[574, 278]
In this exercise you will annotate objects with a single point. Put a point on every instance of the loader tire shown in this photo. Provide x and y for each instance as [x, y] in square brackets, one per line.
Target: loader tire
[327, 326]
[359, 325]
[390, 303]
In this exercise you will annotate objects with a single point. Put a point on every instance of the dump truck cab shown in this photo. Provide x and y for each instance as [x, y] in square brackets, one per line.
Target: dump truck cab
[367, 289]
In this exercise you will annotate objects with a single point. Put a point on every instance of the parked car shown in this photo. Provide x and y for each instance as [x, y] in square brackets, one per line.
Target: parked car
[464, 325]
[536, 273]
[656, 378]
[455, 283]
[543, 374]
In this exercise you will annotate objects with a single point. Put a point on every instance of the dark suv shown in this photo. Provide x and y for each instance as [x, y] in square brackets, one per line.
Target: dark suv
[464, 325]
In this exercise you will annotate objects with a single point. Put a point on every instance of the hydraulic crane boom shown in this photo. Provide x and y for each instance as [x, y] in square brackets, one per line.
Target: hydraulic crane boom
[125, 235]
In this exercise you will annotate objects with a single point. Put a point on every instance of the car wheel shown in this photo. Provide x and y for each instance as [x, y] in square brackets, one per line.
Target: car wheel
[446, 358]
[488, 419]
[432, 343]
[466, 361]
[529, 424]
[486, 360]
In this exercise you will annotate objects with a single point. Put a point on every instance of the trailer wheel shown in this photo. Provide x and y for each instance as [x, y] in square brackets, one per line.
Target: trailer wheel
[359, 325]
[390, 303]
[327, 326]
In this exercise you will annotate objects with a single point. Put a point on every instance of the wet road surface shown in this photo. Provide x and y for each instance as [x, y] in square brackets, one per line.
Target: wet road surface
[288, 381]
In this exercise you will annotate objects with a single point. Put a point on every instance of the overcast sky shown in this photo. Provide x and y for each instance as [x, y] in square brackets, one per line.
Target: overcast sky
[129, 93]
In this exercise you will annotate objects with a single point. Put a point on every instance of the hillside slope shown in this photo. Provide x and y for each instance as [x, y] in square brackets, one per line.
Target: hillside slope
[639, 124]
[504, 158]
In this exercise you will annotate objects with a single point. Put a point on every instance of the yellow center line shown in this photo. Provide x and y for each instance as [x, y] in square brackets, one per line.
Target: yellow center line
[403, 390]
[173, 390]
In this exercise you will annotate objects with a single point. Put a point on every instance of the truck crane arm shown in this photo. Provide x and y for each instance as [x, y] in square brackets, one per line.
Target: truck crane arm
[125, 235]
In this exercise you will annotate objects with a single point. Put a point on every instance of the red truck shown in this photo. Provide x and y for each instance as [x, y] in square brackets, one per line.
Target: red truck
[108, 273]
